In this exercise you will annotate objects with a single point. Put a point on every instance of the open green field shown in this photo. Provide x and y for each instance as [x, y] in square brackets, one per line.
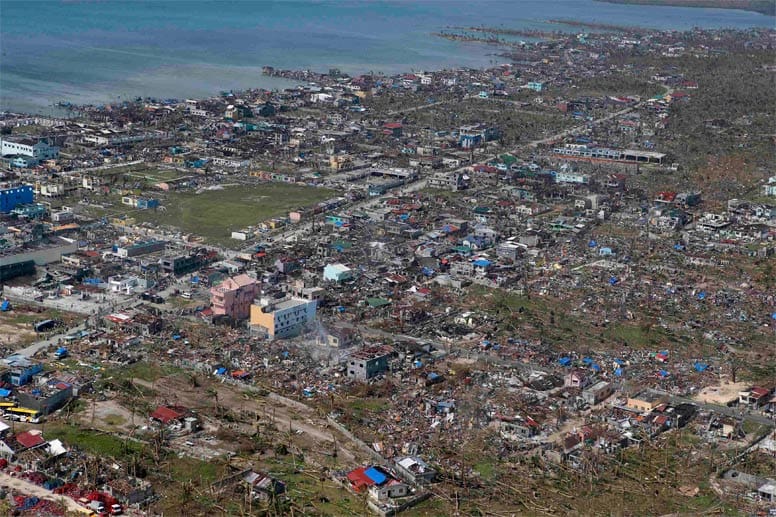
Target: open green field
[95, 442]
[214, 214]
[141, 172]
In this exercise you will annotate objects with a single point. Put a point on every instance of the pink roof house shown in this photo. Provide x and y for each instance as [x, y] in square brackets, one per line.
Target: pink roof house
[233, 297]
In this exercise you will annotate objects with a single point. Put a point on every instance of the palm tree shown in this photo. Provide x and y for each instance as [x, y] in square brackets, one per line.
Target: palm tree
[213, 393]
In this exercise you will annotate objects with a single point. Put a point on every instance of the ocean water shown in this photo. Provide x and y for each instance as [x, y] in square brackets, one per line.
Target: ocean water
[104, 51]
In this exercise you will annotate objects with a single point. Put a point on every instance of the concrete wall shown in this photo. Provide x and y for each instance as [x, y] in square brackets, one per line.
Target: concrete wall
[42, 256]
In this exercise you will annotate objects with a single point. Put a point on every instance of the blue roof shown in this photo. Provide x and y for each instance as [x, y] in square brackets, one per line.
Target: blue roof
[482, 263]
[375, 475]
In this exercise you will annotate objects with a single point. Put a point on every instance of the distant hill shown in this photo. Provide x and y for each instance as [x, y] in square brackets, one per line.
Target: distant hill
[767, 7]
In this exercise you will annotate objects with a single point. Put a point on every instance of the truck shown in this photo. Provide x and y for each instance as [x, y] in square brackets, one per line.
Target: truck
[107, 504]
[151, 297]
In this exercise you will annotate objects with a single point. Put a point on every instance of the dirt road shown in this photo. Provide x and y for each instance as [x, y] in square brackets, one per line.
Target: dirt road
[25, 487]
[315, 431]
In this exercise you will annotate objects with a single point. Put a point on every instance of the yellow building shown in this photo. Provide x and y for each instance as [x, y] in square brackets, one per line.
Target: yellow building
[645, 401]
[283, 318]
[339, 161]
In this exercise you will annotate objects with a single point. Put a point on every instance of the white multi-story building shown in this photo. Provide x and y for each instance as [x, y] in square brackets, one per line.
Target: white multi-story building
[39, 150]
[571, 177]
[283, 318]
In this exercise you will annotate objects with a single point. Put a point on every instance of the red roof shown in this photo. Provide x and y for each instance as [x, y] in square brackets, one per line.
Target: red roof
[392, 125]
[166, 414]
[29, 439]
[759, 392]
[359, 479]
[667, 195]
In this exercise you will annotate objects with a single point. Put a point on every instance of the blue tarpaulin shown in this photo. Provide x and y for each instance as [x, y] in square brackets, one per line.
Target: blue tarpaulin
[663, 373]
[587, 360]
[618, 372]
[619, 361]
[482, 263]
[176, 337]
[702, 295]
[417, 364]
[221, 371]
[5, 393]
[5, 306]
[596, 367]
[700, 367]
[592, 244]
[564, 361]
[375, 475]
[613, 280]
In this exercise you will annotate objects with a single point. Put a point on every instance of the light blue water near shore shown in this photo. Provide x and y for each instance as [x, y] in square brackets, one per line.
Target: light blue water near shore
[100, 51]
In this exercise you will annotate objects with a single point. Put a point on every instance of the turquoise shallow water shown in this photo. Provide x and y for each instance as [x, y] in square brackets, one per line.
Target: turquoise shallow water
[100, 51]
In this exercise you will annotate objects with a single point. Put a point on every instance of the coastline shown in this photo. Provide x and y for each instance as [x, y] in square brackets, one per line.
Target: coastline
[765, 7]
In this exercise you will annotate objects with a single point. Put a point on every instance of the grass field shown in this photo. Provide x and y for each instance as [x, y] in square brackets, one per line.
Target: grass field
[214, 214]
[95, 442]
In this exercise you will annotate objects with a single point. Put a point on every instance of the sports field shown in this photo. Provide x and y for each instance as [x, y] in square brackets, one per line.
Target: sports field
[214, 214]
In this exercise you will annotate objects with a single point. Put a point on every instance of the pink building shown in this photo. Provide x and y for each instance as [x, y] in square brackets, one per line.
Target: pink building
[233, 297]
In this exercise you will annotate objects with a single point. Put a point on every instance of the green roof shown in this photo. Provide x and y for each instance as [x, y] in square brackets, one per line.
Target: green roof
[377, 302]
[342, 244]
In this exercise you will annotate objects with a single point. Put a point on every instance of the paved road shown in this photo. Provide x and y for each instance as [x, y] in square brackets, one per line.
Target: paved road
[54, 340]
[722, 410]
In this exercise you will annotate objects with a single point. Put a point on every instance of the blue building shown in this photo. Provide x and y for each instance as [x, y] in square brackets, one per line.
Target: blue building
[20, 369]
[12, 197]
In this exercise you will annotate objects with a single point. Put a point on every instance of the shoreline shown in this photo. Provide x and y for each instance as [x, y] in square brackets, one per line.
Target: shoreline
[764, 7]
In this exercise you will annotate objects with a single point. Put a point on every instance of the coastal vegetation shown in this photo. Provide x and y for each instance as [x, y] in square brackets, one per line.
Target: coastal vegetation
[759, 6]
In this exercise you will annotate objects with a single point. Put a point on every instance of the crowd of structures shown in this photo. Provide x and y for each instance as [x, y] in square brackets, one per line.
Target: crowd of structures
[497, 260]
